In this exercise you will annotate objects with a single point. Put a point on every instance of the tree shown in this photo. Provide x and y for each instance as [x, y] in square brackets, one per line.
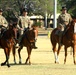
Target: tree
[33, 6]
[71, 6]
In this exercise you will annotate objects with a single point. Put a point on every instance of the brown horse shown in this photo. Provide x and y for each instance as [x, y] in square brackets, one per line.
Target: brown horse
[7, 43]
[68, 39]
[27, 41]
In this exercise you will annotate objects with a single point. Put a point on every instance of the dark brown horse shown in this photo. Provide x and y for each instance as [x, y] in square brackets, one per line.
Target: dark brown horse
[27, 41]
[7, 43]
[68, 39]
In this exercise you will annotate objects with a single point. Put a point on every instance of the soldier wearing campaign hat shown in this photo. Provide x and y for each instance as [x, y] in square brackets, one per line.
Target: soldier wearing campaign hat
[64, 19]
[24, 22]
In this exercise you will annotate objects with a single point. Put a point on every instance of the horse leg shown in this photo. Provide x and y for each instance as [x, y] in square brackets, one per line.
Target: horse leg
[5, 60]
[29, 49]
[74, 54]
[55, 53]
[19, 50]
[74, 48]
[13, 51]
[65, 55]
[59, 47]
[7, 52]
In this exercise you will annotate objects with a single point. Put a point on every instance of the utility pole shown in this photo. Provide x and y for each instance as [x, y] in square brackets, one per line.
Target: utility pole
[55, 12]
[46, 21]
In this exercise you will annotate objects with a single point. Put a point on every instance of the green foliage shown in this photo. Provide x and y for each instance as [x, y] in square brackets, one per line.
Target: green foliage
[39, 7]
[71, 6]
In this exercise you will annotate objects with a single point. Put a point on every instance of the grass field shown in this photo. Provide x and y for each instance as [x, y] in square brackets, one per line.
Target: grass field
[42, 61]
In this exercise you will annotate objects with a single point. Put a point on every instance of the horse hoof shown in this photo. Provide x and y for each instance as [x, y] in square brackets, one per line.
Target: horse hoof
[25, 63]
[8, 65]
[28, 64]
[20, 62]
[74, 63]
[56, 62]
[15, 63]
[2, 64]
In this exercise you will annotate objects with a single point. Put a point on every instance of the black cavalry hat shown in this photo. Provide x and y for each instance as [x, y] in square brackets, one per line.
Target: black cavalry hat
[63, 8]
[24, 10]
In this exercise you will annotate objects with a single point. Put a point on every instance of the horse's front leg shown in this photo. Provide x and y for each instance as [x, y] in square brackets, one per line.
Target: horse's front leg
[14, 52]
[5, 60]
[74, 54]
[19, 50]
[74, 48]
[65, 48]
[7, 52]
[29, 49]
[8, 61]
[55, 53]
[59, 47]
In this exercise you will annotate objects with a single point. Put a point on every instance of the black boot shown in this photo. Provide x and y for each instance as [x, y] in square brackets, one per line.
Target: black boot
[60, 41]
[34, 46]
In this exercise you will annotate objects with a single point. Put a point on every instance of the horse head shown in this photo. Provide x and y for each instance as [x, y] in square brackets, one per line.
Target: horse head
[9, 33]
[30, 37]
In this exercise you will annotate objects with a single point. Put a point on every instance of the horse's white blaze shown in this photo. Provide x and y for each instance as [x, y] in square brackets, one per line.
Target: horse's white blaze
[75, 28]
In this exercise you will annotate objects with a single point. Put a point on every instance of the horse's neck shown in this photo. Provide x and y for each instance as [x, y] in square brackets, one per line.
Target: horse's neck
[7, 34]
[69, 33]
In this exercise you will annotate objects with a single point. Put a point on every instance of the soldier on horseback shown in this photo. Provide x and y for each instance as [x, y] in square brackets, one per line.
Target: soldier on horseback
[24, 24]
[3, 22]
[64, 20]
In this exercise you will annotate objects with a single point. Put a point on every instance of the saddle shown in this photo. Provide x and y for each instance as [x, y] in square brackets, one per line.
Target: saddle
[61, 33]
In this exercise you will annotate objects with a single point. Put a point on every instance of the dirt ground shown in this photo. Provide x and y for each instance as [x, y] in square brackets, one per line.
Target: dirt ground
[42, 61]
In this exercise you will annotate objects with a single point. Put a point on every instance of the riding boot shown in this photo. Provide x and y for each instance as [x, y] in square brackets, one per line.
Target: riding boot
[34, 46]
[57, 32]
[60, 41]
[20, 42]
